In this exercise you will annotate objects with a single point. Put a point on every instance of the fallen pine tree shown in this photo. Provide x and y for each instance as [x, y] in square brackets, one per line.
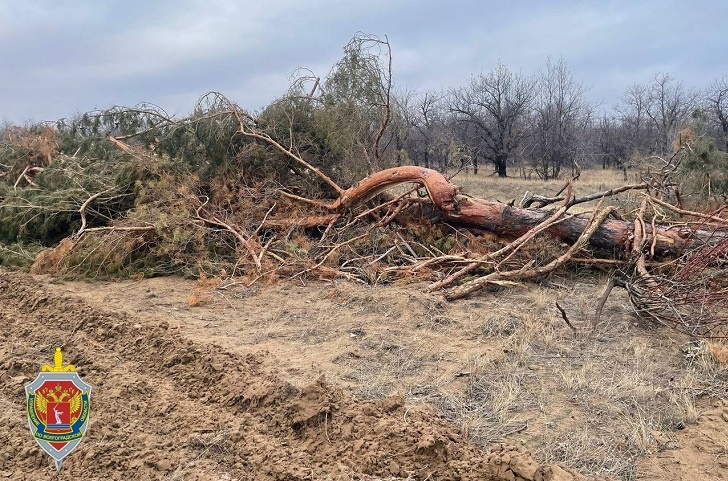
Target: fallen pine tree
[509, 221]
[691, 297]
[672, 266]
[694, 251]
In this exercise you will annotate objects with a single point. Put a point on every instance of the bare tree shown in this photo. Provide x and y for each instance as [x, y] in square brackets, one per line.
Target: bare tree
[560, 120]
[402, 124]
[428, 127]
[632, 114]
[669, 107]
[611, 139]
[495, 107]
[716, 101]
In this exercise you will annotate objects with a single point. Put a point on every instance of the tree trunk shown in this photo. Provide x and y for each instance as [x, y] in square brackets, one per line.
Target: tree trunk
[508, 221]
[500, 164]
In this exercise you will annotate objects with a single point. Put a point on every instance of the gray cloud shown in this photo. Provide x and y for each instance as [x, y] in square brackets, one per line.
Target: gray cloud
[60, 57]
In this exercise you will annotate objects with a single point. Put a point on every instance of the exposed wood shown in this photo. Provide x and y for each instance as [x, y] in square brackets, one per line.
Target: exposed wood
[608, 193]
[530, 272]
[82, 210]
[710, 218]
[113, 228]
[512, 222]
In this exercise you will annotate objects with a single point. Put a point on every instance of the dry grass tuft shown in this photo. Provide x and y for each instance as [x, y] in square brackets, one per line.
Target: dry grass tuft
[597, 402]
[203, 291]
[211, 441]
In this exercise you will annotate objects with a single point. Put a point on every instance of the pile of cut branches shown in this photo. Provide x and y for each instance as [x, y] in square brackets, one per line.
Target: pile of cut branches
[172, 200]
[690, 293]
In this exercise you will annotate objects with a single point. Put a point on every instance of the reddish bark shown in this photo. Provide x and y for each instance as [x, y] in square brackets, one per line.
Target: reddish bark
[441, 191]
[511, 221]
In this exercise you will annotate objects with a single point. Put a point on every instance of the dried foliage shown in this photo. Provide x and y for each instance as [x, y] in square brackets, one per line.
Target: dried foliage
[690, 296]
[250, 198]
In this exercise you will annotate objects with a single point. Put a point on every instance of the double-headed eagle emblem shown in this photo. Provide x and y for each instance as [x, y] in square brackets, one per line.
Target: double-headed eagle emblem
[74, 405]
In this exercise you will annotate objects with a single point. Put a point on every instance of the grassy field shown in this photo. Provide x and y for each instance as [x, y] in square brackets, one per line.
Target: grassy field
[501, 366]
[513, 188]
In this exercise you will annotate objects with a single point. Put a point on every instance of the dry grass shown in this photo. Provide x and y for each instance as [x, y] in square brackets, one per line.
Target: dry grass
[513, 188]
[635, 378]
[211, 441]
[505, 367]
[504, 189]
[596, 403]
[383, 360]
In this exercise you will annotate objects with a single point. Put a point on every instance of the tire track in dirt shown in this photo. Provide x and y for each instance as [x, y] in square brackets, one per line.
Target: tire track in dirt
[165, 407]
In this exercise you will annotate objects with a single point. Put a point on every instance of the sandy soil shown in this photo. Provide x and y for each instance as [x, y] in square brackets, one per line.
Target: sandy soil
[293, 381]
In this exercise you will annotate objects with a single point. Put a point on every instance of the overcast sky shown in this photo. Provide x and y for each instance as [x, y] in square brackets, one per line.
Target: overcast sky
[62, 57]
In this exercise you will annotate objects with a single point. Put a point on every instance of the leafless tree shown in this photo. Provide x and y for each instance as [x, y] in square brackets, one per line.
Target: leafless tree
[716, 101]
[401, 127]
[669, 105]
[611, 139]
[495, 106]
[428, 122]
[632, 115]
[560, 119]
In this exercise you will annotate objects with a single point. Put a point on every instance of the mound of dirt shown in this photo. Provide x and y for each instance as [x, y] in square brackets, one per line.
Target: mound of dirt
[165, 407]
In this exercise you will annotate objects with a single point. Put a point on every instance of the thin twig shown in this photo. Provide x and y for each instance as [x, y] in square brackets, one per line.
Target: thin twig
[602, 301]
[691, 213]
[564, 316]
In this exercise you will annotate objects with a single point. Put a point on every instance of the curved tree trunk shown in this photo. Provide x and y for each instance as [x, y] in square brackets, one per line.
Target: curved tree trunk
[508, 221]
